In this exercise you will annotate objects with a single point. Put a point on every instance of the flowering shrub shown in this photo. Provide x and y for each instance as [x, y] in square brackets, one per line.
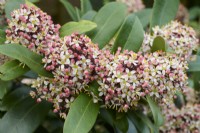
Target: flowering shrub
[68, 71]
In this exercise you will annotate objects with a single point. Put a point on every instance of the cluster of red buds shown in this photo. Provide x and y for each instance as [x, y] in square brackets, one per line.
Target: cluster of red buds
[180, 38]
[32, 28]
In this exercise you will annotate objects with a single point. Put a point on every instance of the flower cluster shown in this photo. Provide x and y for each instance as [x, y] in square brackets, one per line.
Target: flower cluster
[73, 62]
[53, 91]
[185, 120]
[165, 74]
[133, 5]
[180, 38]
[120, 87]
[32, 28]
[126, 77]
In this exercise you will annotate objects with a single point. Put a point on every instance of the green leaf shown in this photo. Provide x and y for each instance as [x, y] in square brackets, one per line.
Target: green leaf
[159, 44]
[12, 70]
[2, 33]
[194, 12]
[78, 13]
[2, 36]
[108, 20]
[80, 27]
[196, 79]
[4, 88]
[122, 124]
[34, 1]
[24, 55]
[12, 5]
[24, 117]
[12, 98]
[30, 3]
[93, 87]
[142, 122]
[89, 15]
[163, 12]
[131, 128]
[70, 9]
[31, 74]
[82, 115]
[107, 115]
[131, 35]
[179, 100]
[157, 115]
[194, 66]
[144, 16]
[85, 6]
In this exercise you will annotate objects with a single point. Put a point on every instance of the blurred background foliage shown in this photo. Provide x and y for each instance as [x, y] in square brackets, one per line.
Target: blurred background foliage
[60, 15]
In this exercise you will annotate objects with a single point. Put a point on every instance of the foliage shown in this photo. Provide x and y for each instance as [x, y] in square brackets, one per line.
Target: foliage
[111, 24]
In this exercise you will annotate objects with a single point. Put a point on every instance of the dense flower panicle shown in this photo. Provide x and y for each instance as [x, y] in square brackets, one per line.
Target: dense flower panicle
[32, 28]
[185, 120]
[73, 62]
[126, 77]
[164, 75]
[133, 5]
[119, 80]
[180, 38]
[55, 92]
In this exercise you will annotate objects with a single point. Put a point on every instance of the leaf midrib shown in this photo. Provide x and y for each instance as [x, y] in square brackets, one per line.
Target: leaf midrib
[102, 27]
[82, 116]
[26, 60]
[129, 34]
[162, 12]
[15, 126]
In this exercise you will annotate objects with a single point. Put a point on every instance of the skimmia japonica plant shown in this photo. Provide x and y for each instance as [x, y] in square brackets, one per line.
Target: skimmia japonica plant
[123, 68]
